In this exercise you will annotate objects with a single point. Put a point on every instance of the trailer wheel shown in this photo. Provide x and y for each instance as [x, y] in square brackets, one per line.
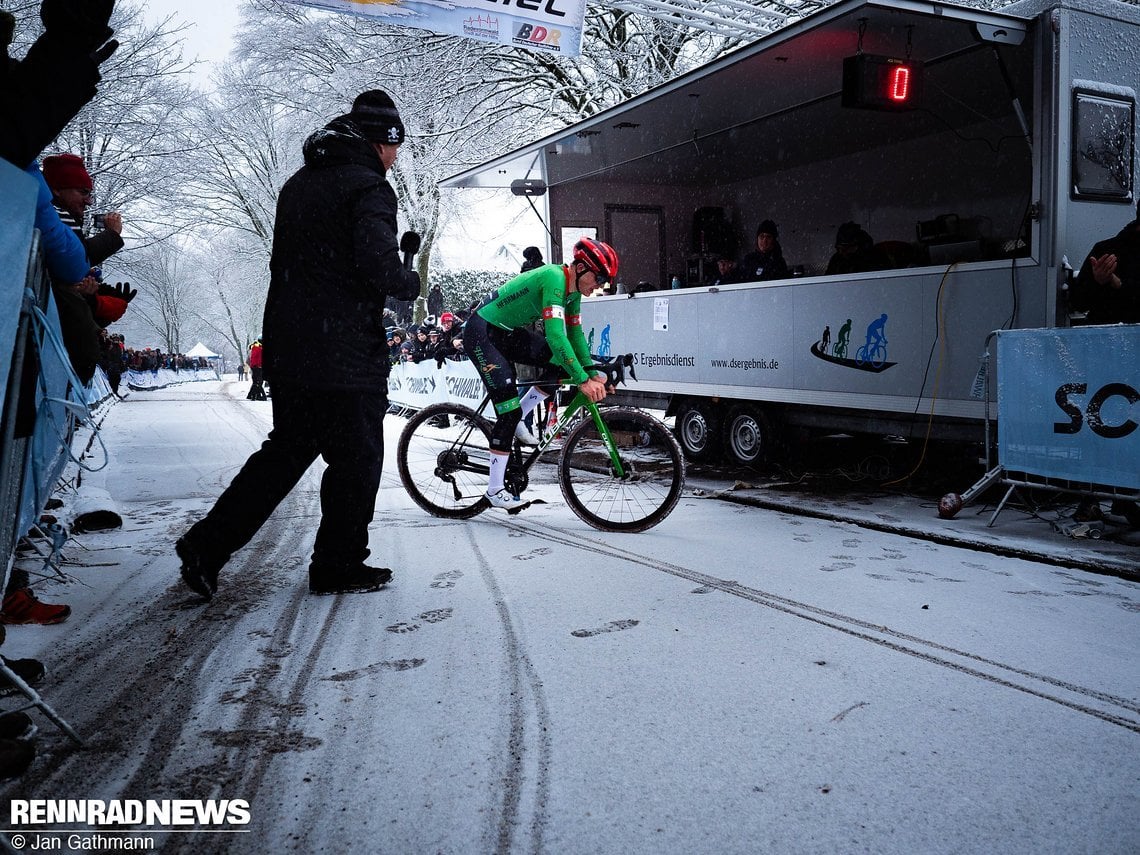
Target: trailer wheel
[698, 430]
[747, 435]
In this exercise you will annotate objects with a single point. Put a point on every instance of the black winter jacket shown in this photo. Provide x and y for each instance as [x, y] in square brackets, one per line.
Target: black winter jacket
[762, 266]
[1107, 305]
[335, 258]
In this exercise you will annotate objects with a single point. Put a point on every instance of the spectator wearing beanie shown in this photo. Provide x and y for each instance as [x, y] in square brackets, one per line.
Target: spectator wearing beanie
[855, 252]
[767, 261]
[532, 258]
[72, 190]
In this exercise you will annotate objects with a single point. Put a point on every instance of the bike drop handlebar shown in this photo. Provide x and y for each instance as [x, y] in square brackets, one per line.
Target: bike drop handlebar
[615, 369]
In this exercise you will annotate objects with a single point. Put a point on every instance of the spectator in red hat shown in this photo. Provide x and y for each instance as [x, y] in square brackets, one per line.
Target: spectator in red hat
[72, 190]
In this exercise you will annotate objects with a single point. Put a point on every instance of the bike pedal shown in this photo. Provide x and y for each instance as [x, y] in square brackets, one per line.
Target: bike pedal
[523, 507]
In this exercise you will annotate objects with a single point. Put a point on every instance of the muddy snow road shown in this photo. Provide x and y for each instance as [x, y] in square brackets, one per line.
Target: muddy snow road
[734, 680]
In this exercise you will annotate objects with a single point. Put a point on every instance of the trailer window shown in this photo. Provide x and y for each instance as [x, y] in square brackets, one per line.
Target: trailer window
[1103, 146]
[571, 235]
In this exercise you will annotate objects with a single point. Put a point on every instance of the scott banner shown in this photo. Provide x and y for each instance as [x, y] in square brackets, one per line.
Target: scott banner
[553, 26]
[1069, 404]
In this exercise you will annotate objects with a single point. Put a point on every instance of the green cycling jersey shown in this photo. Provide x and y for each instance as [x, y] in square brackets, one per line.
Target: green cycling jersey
[544, 293]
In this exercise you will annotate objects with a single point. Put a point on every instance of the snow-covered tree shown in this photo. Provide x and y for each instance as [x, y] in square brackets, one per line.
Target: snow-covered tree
[167, 296]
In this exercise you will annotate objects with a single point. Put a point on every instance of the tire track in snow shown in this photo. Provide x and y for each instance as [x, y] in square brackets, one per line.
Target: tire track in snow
[912, 645]
[132, 688]
[528, 733]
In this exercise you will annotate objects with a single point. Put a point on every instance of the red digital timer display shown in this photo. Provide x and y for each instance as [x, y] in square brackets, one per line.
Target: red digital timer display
[881, 82]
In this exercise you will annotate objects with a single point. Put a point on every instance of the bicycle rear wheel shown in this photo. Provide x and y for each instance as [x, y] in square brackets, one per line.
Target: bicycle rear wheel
[653, 479]
[444, 457]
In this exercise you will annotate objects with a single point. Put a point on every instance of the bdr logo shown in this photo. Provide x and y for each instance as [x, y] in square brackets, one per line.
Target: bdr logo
[536, 34]
[1092, 416]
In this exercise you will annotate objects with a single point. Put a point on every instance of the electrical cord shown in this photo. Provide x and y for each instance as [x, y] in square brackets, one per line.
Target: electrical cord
[938, 337]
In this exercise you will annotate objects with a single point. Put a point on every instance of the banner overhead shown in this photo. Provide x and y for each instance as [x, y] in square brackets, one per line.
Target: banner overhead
[550, 26]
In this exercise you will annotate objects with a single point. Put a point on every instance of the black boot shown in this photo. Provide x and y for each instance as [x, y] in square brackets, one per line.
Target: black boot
[359, 579]
[200, 567]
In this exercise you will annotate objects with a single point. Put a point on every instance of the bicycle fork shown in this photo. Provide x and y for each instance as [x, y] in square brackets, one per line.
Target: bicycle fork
[607, 440]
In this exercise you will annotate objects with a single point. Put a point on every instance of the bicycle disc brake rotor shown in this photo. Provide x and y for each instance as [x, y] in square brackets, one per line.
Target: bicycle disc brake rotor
[515, 480]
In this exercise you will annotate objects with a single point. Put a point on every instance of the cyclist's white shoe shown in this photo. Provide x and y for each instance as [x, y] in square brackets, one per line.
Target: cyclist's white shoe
[505, 500]
[524, 435]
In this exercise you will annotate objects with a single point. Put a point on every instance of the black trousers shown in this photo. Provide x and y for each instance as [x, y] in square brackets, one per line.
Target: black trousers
[256, 392]
[347, 430]
[494, 352]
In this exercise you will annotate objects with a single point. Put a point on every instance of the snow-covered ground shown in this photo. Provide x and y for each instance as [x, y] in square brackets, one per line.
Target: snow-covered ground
[738, 679]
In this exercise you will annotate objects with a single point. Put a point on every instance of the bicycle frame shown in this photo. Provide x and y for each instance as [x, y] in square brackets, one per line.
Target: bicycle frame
[578, 402]
[615, 373]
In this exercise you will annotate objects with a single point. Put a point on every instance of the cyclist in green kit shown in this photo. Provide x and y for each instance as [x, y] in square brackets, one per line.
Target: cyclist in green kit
[495, 337]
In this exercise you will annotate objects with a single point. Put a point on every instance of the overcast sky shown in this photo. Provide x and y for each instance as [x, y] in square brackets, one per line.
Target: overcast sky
[213, 25]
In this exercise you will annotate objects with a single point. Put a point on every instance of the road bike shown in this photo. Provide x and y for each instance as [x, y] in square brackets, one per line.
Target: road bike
[619, 468]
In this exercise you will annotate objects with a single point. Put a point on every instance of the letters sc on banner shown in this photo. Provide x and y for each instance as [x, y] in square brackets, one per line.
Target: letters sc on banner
[1069, 403]
[1091, 416]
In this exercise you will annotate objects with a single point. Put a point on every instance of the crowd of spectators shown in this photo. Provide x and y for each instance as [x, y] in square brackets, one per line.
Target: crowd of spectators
[152, 359]
[115, 358]
[438, 338]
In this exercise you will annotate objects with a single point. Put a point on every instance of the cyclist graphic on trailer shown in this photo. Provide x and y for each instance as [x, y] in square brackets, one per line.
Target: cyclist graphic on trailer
[841, 343]
[875, 334]
[495, 337]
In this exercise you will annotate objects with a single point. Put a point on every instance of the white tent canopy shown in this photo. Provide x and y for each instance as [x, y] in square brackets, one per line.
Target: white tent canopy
[201, 350]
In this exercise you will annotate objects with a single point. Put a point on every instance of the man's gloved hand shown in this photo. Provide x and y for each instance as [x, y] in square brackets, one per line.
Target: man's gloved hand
[7, 28]
[122, 290]
[411, 286]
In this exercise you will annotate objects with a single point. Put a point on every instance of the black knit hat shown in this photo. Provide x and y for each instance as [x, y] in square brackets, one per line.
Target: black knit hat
[850, 234]
[767, 227]
[374, 112]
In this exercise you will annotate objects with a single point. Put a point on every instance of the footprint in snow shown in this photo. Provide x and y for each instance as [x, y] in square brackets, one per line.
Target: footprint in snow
[612, 626]
[432, 616]
[389, 665]
[534, 553]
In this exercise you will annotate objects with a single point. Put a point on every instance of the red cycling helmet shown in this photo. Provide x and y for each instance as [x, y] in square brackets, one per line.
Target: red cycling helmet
[598, 257]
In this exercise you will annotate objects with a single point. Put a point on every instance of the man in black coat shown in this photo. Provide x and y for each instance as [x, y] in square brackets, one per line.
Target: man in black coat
[335, 259]
[767, 262]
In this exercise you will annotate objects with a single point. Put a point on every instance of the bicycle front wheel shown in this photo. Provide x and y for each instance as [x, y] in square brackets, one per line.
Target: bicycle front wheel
[651, 482]
[444, 460]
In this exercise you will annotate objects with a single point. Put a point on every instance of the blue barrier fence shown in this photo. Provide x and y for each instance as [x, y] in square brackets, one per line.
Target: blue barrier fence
[40, 400]
[1069, 404]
